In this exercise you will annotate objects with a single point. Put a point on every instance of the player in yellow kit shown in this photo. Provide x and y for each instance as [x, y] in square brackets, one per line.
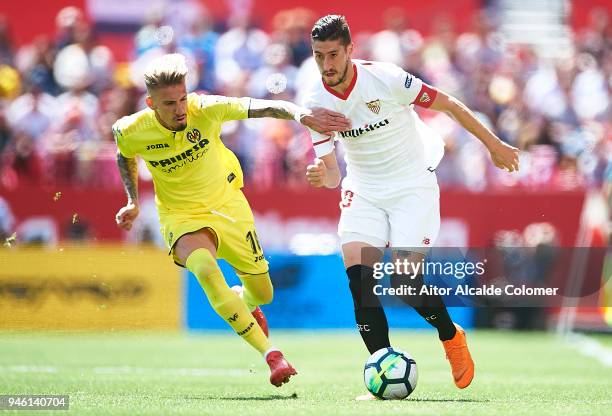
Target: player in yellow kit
[198, 181]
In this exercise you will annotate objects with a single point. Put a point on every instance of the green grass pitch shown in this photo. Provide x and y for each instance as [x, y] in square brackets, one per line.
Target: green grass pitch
[217, 374]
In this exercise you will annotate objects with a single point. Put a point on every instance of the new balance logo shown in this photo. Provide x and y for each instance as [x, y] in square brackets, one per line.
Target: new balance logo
[158, 146]
[233, 318]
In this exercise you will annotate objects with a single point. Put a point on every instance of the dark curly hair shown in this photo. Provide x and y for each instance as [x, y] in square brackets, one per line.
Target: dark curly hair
[331, 27]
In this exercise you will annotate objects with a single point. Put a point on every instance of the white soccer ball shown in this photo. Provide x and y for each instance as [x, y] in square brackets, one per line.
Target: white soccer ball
[390, 374]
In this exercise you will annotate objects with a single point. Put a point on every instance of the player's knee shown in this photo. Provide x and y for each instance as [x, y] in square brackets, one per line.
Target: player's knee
[262, 295]
[259, 288]
[201, 263]
[265, 297]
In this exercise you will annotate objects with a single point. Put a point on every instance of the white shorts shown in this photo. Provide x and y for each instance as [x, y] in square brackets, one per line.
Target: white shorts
[412, 221]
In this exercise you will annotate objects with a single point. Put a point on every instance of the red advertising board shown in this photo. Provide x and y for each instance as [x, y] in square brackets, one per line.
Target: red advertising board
[476, 216]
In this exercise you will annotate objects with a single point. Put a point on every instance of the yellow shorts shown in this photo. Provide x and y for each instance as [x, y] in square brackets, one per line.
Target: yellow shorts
[233, 224]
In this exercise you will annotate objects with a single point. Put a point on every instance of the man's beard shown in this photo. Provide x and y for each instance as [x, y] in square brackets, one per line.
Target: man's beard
[180, 127]
[342, 78]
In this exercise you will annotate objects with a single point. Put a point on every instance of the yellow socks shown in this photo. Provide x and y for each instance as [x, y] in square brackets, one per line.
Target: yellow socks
[225, 301]
[257, 289]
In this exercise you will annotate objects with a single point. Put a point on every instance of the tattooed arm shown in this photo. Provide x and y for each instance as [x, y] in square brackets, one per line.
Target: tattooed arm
[318, 119]
[128, 170]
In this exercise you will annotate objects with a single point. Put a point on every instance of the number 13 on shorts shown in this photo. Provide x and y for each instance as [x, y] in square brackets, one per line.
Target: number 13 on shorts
[347, 198]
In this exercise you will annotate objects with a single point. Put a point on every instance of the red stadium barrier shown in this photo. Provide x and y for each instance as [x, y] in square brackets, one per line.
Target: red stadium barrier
[476, 217]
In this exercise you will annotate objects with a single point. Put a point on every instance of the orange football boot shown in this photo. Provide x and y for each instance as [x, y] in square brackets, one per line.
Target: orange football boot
[459, 357]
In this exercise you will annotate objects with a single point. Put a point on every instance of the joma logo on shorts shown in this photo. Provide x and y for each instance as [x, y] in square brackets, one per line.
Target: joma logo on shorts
[158, 146]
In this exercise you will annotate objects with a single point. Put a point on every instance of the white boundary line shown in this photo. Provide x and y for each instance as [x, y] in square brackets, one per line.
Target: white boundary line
[590, 347]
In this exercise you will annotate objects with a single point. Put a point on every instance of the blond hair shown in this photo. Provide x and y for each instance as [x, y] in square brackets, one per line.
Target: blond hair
[166, 70]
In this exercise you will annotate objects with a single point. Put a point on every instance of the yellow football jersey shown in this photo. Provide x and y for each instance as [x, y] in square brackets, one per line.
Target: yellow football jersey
[191, 169]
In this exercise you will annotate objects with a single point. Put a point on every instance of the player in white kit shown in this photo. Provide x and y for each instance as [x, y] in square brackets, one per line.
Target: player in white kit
[390, 195]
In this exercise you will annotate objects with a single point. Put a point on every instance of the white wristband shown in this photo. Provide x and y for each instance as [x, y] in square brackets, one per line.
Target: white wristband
[299, 114]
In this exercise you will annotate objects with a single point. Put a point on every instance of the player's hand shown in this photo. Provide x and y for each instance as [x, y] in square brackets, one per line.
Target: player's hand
[505, 156]
[325, 121]
[126, 216]
[316, 173]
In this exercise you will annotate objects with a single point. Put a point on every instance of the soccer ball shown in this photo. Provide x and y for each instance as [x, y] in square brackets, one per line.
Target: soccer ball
[390, 374]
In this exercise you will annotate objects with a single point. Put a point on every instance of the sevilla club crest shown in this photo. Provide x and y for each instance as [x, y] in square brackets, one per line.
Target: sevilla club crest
[374, 106]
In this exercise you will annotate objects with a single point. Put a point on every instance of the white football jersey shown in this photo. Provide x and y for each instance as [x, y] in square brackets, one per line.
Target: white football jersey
[389, 149]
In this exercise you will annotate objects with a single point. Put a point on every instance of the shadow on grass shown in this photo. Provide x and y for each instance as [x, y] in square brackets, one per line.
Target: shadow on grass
[294, 396]
[449, 400]
[244, 398]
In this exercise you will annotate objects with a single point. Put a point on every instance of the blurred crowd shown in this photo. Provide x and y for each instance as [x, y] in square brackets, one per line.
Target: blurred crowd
[60, 95]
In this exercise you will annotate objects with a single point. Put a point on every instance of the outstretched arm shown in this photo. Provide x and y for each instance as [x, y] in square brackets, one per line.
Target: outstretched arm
[128, 170]
[503, 155]
[320, 120]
